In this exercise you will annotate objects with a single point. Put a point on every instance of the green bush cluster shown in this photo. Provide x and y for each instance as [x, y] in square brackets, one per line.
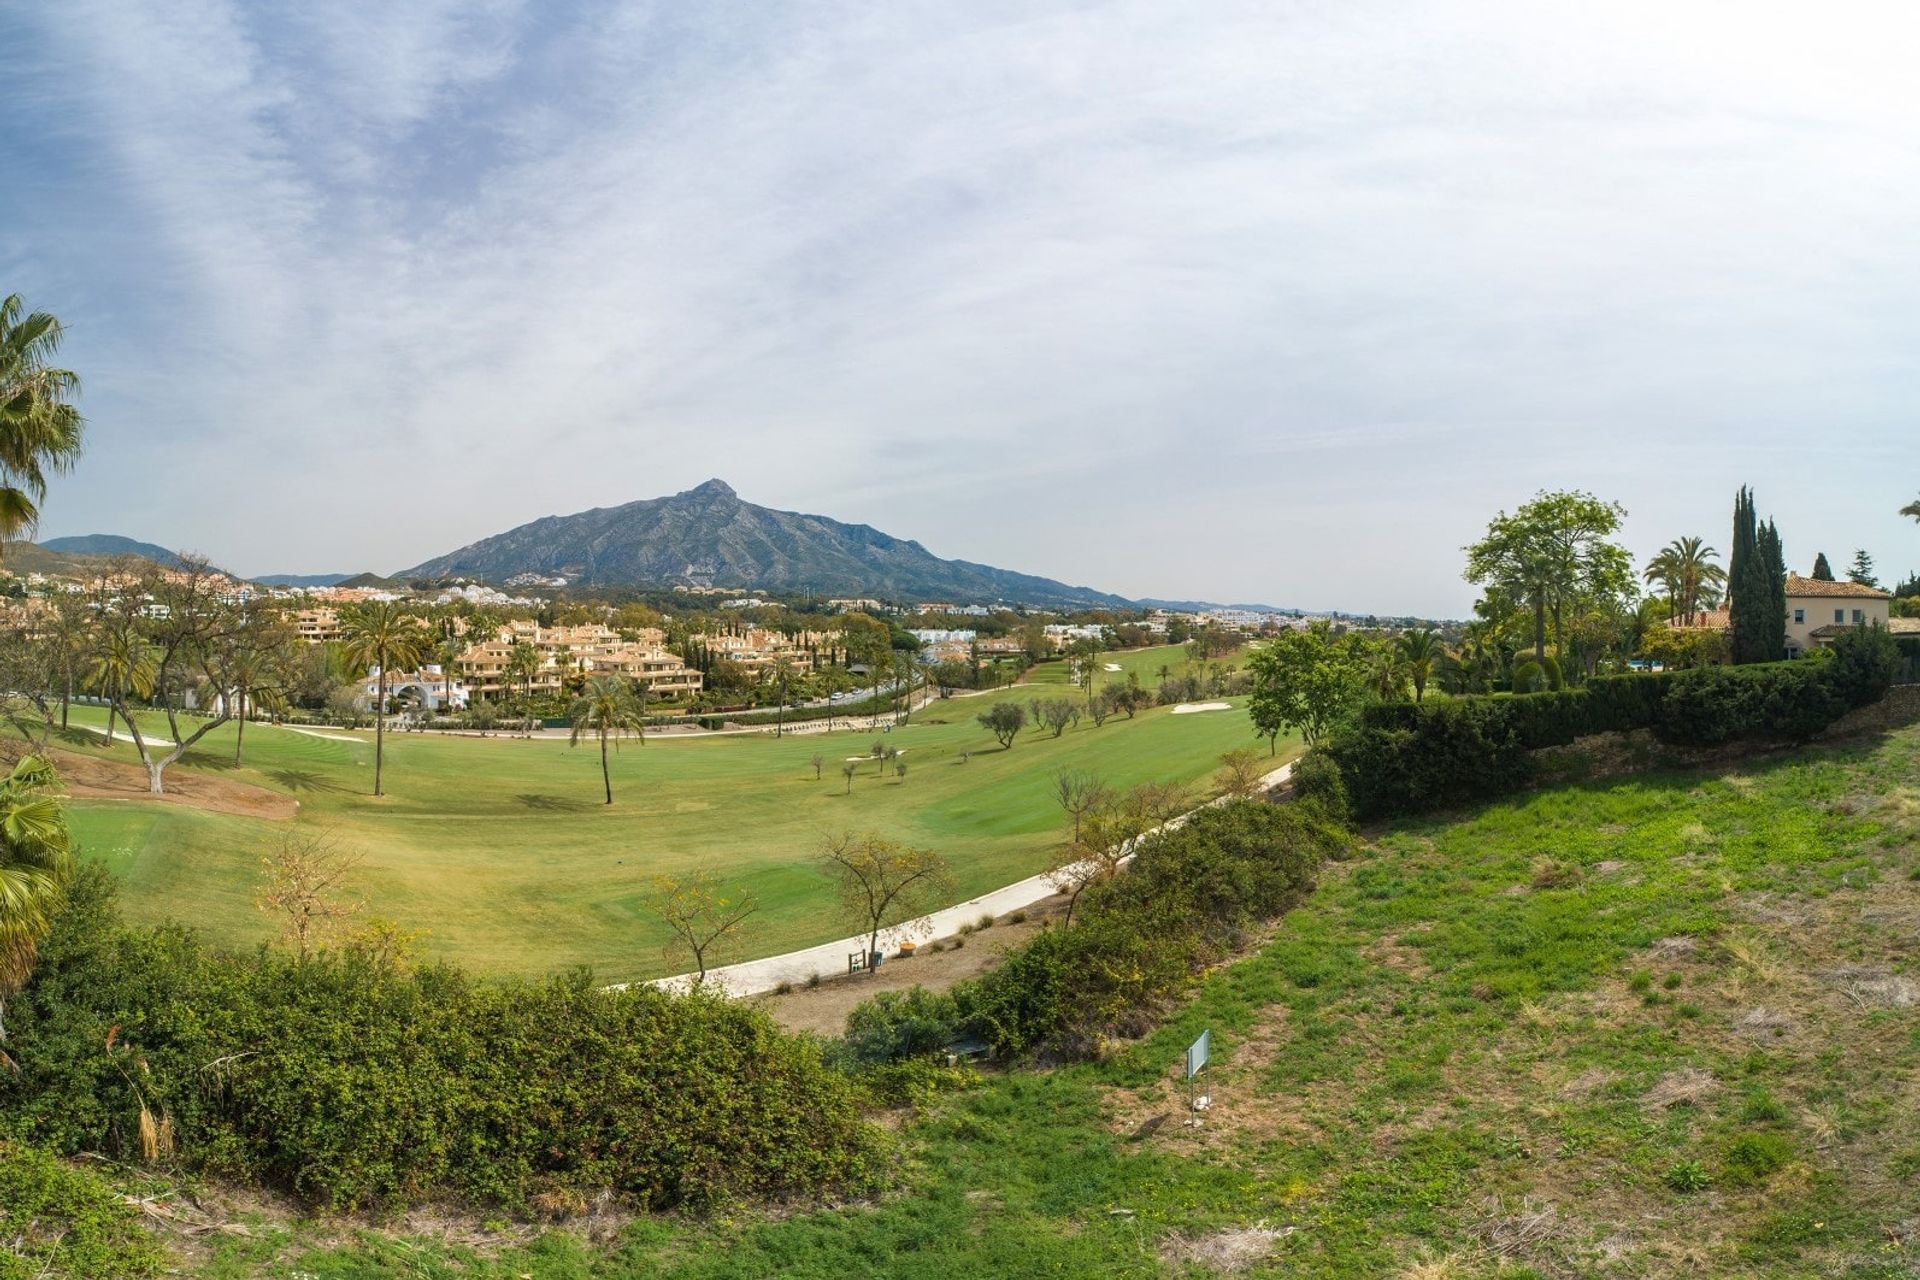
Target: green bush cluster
[350, 1080]
[1190, 896]
[62, 1222]
[1407, 757]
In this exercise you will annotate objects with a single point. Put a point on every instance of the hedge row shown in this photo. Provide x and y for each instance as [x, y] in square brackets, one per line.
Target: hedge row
[1189, 898]
[1412, 757]
[351, 1081]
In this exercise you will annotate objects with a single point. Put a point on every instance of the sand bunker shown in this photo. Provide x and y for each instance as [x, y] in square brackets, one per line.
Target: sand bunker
[1186, 708]
[330, 737]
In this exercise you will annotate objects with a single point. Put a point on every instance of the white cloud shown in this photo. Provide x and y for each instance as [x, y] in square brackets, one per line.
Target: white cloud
[1252, 301]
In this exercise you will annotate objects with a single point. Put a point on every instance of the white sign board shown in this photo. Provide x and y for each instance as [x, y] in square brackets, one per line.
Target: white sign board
[1197, 1053]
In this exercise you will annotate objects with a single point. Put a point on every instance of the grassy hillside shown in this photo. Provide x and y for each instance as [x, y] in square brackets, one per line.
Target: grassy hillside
[1663, 1026]
[500, 849]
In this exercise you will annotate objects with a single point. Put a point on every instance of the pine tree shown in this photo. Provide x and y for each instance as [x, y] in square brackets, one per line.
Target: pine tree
[1822, 571]
[1861, 570]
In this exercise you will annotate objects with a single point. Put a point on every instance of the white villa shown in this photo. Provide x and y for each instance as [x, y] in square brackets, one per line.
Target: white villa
[1817, 611]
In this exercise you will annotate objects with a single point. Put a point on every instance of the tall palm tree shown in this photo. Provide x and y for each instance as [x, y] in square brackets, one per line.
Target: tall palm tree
[607, 708]
[123, 666]
[386, 638]
[782, 677]
[1421, 651]
[35, 859]
[1664, 570]
[1685, 568]
[523, 660]
[40, 430]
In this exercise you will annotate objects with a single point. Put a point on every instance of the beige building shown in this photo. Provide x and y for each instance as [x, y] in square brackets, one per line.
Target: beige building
[1818, 611]
[317, 625]
[758, 648]
[567, 653]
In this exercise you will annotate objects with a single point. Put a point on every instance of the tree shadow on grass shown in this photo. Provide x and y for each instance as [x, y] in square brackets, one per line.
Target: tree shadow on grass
[551, 804]
[306, 780]
[206, 760]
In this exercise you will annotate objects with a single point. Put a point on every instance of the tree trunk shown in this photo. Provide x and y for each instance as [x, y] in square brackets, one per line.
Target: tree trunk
[606, 774]
[156, 776]
[240, 729]
[1540, 630]
[379, 727]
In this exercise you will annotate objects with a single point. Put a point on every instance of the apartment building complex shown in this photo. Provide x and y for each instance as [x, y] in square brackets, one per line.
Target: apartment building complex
[565, 653]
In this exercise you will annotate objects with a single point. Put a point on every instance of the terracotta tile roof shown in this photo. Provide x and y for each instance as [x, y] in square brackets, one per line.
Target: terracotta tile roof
[1799, 586]
[1706, 620]
[1904, 626]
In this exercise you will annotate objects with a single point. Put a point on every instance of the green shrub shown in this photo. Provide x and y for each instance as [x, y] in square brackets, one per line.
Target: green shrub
[62, 1222]
[1456, 751]
[1687, 1177]
[899, 1024]
[1751, 1158]
[1863, 665]
[1406, 757]
[1774, 701]
[1529, 676]
[350, 1082]
[1190, 895]
[1317, 781]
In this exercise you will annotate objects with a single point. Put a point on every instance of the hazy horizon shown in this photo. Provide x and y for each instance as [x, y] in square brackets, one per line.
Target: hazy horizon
[1248, 304]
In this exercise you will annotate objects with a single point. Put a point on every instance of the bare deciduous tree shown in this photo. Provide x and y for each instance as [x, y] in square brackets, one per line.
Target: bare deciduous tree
[1078, 792]
[1240, 773]
[704, 920]
[306, 876]
[882, 883]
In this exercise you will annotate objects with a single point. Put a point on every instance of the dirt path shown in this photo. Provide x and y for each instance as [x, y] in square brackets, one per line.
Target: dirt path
[823, 1009]
[92, 778]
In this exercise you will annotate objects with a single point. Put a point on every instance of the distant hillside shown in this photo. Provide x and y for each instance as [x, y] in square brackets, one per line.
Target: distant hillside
[303, 579]
[373, 580]
[112, 544]
[709, 536]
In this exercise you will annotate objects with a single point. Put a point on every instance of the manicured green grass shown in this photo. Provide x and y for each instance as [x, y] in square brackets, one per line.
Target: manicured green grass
[1144, 663]
[1649, 1027]
[501, 851]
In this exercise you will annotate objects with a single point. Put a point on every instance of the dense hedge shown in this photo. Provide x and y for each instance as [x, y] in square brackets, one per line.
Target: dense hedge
[61, 1222]
[351, 1081]
[1407, 757]
[1190, 896]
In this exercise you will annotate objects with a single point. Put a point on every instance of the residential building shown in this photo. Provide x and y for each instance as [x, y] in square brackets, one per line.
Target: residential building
[430, 686]
[1819, 611]
[566, 653]
[318, 625]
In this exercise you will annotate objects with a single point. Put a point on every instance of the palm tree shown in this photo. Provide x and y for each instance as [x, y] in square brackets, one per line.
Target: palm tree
[523, 660]
[1692, 582]
[384, 637]
[1664, 570]
[782, 677]
[40, 430]
[35, 859]
[123, 666]
[1421, 651]
[608, 708]
[1387, 673]
[1912, 509]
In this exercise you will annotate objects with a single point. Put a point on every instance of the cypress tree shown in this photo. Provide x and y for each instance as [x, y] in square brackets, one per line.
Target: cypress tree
[1746, 589]
[1774, 562]
[1822, 571]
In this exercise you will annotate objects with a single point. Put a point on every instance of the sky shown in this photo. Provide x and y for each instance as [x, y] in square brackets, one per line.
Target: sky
[1265, 301]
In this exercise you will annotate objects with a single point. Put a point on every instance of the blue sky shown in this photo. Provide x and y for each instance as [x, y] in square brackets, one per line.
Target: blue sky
[1248, 301]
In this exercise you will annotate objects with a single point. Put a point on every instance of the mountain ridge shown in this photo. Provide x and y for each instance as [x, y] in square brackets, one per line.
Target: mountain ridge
[709, 536]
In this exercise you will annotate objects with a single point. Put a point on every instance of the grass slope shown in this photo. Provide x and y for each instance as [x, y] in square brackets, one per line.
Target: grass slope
[1663, 1026]
[500, 849]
